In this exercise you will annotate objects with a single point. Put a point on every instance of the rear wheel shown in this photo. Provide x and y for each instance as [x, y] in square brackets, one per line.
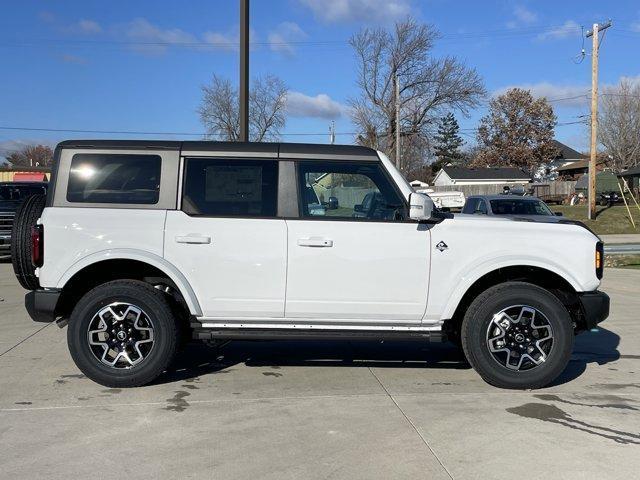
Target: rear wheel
[122, 334]
[26, 217]
[517, 335]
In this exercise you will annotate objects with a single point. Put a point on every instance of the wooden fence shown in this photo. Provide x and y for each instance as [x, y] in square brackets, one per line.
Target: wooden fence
[555, 188]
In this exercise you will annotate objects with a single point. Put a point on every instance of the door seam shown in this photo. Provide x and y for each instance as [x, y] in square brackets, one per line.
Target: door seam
[286, 269]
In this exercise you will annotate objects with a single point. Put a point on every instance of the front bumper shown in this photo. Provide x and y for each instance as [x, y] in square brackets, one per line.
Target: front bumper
[41, 305]
[595, 307]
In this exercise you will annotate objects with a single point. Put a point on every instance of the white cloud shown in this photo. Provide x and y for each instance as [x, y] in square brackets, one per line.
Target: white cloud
[223, 41]
[575, 95]
[229, 41]
[524, 15]
[320, 106]
[280, 39]
[88, 27]
[83, 26]
[363, 10]
[565, 95]
[151, 39]
[565, 30]
[632, 80]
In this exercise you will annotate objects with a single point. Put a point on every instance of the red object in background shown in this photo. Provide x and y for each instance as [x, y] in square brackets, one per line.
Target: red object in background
[29, 177]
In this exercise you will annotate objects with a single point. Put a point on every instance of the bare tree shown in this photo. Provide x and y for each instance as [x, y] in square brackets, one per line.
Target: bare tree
[429, 87]
[619, 124]
[518, 131]
[219, 109]
[31, 156]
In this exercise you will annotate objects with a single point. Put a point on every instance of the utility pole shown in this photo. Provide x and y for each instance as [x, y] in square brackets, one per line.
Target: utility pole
[332, 132]
[397, 81]
[244, 71]
[594, 116]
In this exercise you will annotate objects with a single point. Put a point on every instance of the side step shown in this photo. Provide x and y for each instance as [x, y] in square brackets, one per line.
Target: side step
[311, 334]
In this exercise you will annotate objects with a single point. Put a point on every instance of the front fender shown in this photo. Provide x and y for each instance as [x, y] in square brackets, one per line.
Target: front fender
[132, 254]
[487, 266]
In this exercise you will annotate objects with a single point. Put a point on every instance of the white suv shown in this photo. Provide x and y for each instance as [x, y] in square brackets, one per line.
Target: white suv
[141, 244]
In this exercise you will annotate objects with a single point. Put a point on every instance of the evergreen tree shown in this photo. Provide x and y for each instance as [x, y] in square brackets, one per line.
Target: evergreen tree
[447, 143]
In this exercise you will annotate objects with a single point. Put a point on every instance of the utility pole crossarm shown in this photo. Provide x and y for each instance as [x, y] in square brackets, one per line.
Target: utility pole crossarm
[599, 28]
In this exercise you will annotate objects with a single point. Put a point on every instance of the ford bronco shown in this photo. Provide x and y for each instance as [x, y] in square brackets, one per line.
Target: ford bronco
[141, 244]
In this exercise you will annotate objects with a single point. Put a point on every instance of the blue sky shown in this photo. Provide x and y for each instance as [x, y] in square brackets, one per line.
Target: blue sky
[88, 64]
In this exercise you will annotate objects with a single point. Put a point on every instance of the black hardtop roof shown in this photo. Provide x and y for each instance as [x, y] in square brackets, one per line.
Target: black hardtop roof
[281, 150]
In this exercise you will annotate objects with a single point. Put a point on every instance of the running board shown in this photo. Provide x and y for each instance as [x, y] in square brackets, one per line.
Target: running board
[314, 334]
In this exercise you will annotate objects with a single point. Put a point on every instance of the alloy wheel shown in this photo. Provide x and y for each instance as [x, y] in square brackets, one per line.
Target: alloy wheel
[520, 337]
[121, 335]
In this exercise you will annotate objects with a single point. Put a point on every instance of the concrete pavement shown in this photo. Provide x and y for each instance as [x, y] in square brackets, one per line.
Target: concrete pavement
[320, 410]
[621, 238]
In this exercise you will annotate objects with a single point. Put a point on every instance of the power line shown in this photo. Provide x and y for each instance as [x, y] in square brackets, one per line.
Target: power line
[448, 37]
[140, 132]
[198, 134]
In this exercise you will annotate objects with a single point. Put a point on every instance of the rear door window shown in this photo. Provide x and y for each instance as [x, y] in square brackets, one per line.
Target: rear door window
[114, 178]
[230, 187]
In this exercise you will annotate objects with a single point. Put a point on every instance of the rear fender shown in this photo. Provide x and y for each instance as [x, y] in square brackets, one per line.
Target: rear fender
[131, 254]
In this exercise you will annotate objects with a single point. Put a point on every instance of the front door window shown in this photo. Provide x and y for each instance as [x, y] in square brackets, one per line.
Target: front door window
[348, 191]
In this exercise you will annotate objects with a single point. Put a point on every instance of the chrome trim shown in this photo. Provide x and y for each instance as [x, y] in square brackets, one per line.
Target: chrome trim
[306, 326]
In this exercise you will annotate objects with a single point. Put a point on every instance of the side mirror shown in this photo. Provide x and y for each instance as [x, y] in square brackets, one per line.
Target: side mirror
[333, 203]
[558, 214]
[421, 207]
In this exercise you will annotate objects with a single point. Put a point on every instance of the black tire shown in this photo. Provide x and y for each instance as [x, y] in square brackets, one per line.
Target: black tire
[26, 217]
[142, 295]
[476, 324]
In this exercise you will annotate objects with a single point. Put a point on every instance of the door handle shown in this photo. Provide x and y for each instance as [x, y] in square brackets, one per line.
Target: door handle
[315, 242]
[193, 239]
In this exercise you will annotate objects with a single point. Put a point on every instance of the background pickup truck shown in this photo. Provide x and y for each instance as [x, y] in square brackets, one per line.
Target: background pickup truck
[12, 194]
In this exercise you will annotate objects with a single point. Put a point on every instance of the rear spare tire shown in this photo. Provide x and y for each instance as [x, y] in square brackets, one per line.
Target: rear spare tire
[26, 217]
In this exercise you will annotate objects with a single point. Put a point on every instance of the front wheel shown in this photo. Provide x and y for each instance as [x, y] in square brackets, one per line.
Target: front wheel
[122, 334]
[517, 335]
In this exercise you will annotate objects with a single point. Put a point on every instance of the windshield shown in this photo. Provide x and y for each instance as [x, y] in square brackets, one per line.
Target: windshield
[519, 207]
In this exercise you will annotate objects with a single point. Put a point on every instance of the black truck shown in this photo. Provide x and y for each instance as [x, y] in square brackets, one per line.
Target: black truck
[12, 194]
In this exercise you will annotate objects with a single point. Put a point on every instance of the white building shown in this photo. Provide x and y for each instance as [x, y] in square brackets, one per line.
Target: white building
[481, 176]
